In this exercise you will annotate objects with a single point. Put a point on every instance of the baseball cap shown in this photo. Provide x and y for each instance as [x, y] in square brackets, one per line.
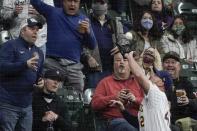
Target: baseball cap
[54, 74]
[172, 55]
[30, 22]
[101, 1]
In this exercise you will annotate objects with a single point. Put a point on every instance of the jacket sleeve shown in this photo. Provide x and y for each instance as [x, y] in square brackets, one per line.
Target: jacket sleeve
[8, 63]
[193, 104]
[192, 98]
[130, 118]
[42, 7]
[90, 39]
[100, 100]
[40, 71]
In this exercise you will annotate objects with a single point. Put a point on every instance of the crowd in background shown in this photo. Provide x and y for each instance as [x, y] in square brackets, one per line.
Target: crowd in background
[59, 44]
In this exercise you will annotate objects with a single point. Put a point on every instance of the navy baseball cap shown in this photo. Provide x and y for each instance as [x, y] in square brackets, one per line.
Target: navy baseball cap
[172, 55]
[30, 22]
[54, 74]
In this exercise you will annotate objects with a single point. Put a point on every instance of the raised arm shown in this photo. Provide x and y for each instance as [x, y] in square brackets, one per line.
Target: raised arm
[138, 72]
[42, 7]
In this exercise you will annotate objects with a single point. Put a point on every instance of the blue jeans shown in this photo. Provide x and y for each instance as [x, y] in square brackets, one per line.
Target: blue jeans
[13, 118]
[118, 124]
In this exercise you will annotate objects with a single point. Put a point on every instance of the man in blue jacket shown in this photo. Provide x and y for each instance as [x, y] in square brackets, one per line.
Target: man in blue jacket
[20, 67]
[68, 32]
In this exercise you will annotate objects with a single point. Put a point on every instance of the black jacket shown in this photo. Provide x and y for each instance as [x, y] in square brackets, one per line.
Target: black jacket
[178, 112]
[40, 106]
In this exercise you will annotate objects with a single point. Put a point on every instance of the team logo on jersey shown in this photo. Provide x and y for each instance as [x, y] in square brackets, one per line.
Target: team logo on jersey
[22, 52]
[141, 108]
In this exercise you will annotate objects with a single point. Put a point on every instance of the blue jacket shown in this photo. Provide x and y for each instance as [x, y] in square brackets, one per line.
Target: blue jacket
[63, 38]
[16, 79]
[166, 77]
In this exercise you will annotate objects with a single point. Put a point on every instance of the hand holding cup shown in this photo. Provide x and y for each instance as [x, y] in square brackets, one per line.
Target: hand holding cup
[84, 26]
[33, 62]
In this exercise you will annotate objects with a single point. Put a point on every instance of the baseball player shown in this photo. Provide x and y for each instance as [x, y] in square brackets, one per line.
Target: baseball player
[154, 112]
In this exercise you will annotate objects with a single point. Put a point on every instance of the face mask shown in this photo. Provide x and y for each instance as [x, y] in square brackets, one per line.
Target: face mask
[178, 29]
[148, 60]
[99, 9]
[147, 23]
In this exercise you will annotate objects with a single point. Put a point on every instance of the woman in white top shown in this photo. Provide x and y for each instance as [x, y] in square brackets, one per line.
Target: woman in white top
[180, 40]
[186, 39]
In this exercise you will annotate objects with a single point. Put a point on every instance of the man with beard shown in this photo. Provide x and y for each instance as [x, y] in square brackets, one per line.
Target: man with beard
[183, 101]
[49, 111]
[121, 85]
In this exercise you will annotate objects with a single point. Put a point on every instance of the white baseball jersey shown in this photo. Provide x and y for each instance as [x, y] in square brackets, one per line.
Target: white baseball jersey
[154, 112]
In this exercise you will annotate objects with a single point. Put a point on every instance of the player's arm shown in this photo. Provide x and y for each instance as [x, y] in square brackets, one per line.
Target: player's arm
[138, 72]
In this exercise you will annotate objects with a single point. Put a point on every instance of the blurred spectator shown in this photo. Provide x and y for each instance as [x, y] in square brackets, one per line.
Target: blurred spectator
[186, 39]
[68, 31]
[150, 60]
[20, 67]
[170, 40]
[183, 101]
[18, 10]
[154, 112]
[99, 61]
[119, 86]
[164, 16]
[145, 33]
[49, 111]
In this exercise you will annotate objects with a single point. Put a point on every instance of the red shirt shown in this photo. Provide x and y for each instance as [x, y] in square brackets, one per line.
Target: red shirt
[107, 90]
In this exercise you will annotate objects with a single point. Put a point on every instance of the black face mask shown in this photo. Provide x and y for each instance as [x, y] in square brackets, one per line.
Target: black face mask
[49, 95]
[148, 60]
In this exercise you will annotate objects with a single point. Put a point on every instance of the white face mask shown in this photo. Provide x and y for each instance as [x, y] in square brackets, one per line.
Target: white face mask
[99, 9]
[147, 23]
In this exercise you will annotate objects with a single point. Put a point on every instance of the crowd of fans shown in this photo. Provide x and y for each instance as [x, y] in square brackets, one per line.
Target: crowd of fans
[53, 44]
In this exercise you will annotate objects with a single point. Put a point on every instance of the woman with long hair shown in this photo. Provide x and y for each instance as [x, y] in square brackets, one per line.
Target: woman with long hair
[180, 40]
[164, 16]
[145, 33]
